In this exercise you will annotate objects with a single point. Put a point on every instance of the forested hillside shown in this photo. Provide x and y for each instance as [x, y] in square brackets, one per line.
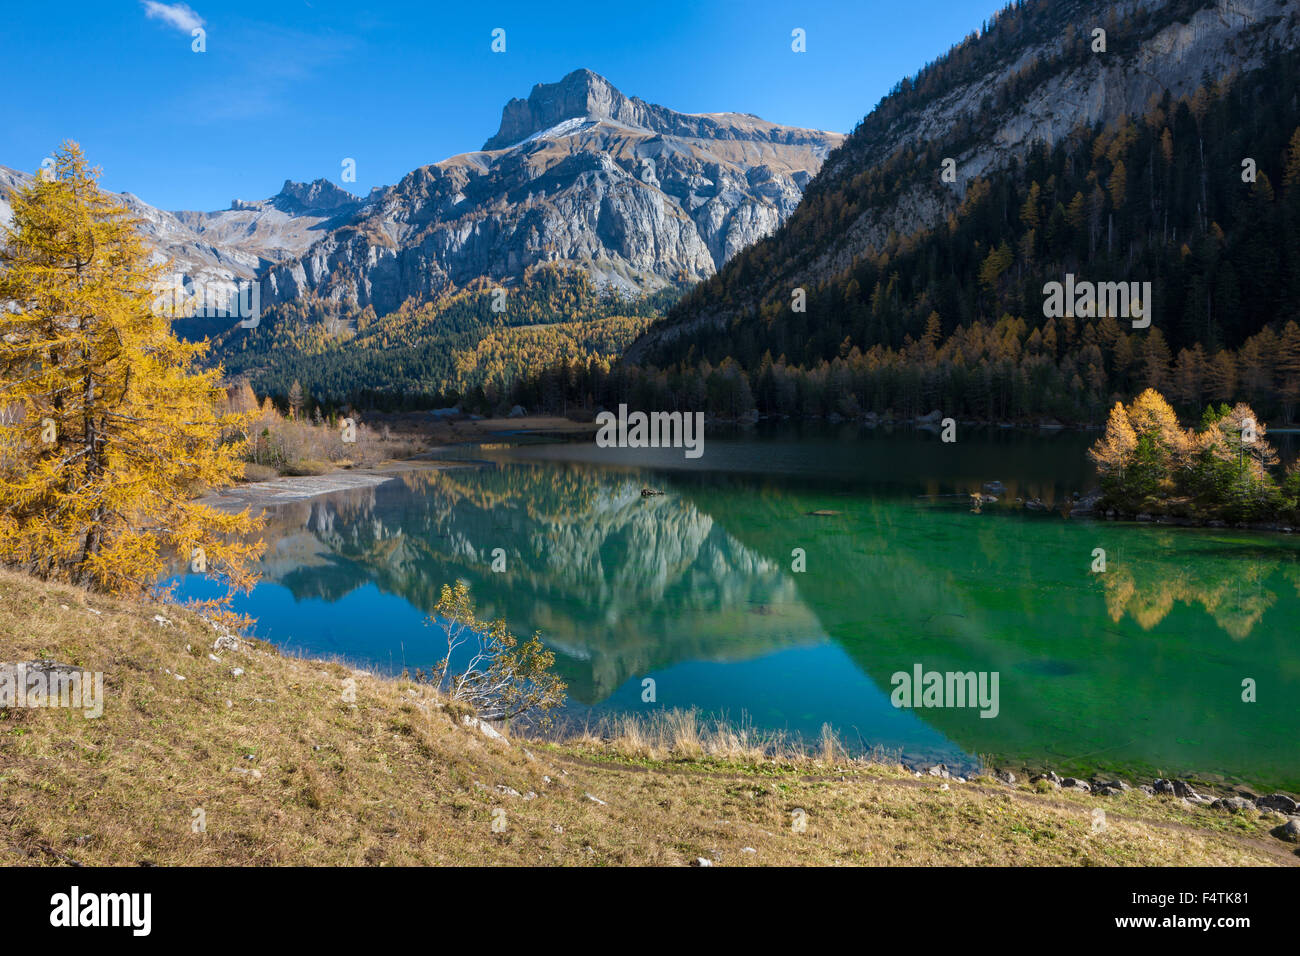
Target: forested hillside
[924, 291]
[470, 344]
[1199, 195]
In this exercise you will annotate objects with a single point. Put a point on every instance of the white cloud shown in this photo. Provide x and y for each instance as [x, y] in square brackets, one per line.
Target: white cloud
[178, 15]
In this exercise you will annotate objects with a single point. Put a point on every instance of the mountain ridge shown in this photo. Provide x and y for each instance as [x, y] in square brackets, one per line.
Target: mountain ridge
[578, 175]
[215, 249]
[583, 93]
[639, 196]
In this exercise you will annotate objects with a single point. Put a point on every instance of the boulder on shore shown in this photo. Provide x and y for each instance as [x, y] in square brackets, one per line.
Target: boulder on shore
[1232, 804]
[1279, 802]
[1289, 831]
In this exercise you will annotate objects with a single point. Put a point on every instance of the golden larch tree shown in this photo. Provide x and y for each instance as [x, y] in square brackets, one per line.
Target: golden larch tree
[1113, 452]
[109, 432]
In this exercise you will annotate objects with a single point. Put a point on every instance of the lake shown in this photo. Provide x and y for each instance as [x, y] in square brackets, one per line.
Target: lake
[735, 599]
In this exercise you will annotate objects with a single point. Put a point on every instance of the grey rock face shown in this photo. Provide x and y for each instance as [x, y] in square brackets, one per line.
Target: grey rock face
[317, 197]
[274, 229]
[1231, 36]
[194, 257]
[214, 249]
[638, 195]
[586, 94]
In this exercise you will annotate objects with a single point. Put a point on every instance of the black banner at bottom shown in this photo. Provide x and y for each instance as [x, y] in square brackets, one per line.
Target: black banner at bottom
[334, 905]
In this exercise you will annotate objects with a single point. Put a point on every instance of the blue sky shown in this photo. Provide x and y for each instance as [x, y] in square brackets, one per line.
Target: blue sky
[289, 88]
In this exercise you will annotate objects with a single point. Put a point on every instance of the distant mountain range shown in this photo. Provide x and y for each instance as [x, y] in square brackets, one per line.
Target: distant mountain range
[233, 244]
[899, 268]
[637, 195]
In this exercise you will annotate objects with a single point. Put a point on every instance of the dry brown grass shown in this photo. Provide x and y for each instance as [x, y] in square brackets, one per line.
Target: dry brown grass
[685, 735]
[288, 771]
[287, 446]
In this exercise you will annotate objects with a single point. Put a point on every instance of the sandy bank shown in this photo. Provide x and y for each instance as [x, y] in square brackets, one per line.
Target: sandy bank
[280, 490]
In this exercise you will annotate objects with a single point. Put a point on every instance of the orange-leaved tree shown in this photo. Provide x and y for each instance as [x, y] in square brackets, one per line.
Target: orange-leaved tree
[108, 432]
[1144, 452]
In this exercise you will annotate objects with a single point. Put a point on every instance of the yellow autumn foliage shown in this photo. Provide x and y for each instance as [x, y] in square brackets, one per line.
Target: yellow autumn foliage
[107, 432]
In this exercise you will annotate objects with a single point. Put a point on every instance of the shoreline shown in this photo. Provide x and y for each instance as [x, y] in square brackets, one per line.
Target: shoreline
[286, 489]
[264, 494]
[1195, 788]
[457, 433]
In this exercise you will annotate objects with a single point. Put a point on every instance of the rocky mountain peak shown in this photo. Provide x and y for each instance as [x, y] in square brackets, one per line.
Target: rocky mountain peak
[318, 196]
[581, 94]
[584, 95]
[639, 196]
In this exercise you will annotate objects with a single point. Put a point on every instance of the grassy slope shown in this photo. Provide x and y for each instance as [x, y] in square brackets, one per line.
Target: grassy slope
[394, 779]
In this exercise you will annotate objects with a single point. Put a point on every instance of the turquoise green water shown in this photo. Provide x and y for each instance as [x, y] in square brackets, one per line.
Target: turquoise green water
[1138, 670]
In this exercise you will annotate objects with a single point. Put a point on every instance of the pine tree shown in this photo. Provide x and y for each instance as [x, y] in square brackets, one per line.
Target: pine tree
[1155, 360]
[1189, 375]
[1221, 376]
[1162, 448]
[1232, 461]
[1118, 185]
[111, 432]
